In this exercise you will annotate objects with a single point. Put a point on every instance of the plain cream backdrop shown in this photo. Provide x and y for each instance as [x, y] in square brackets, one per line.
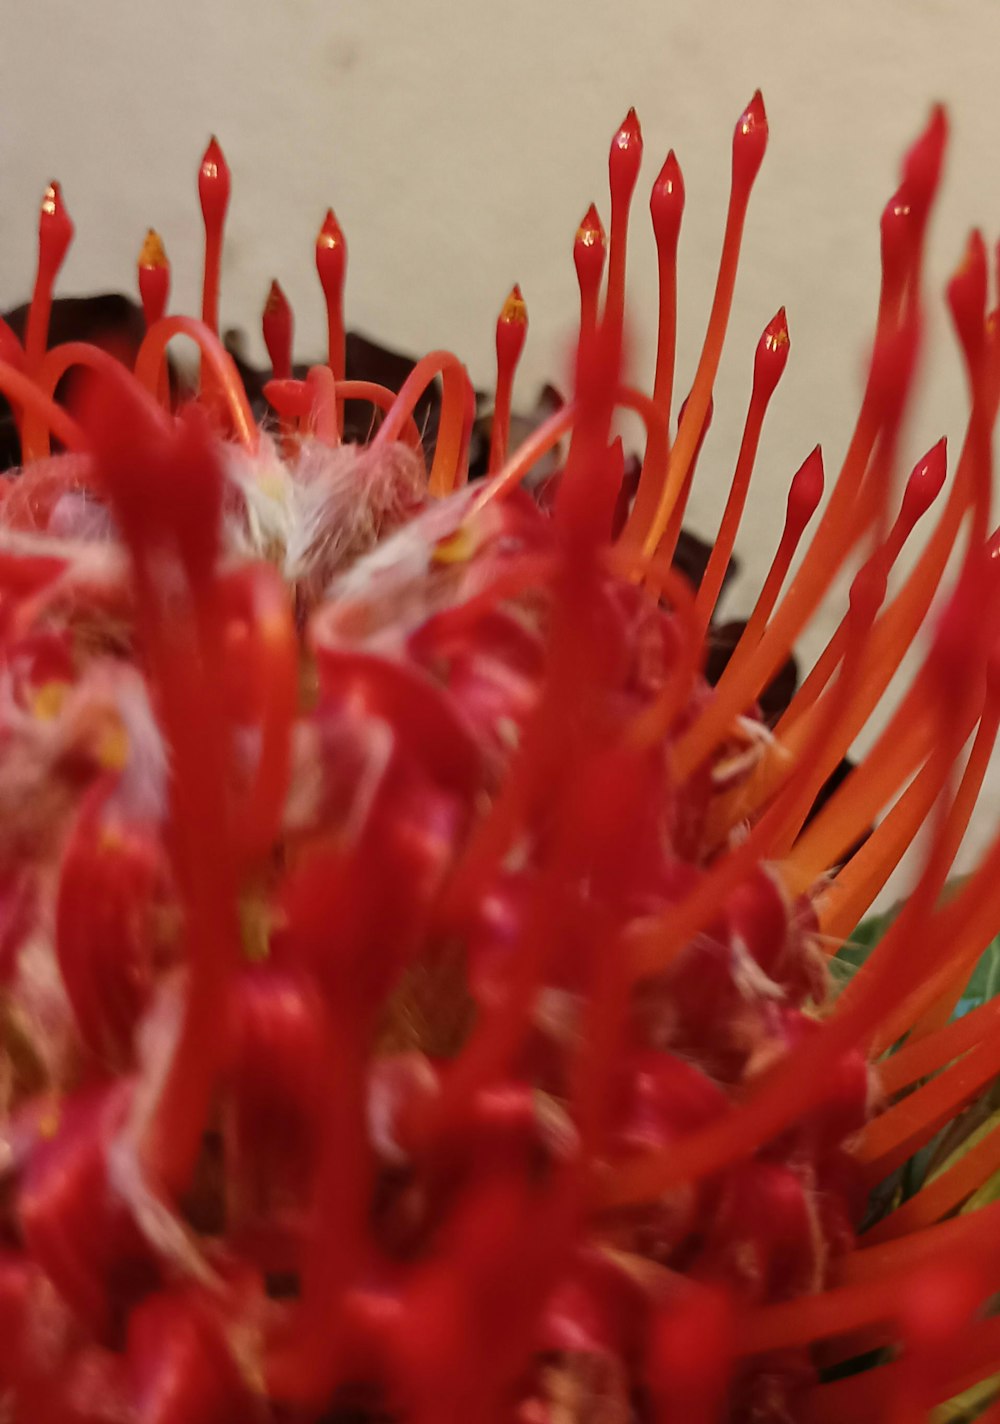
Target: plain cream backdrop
[460, 144]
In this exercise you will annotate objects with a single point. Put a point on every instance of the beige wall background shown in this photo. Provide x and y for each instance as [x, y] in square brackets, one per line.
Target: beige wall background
[460, 144]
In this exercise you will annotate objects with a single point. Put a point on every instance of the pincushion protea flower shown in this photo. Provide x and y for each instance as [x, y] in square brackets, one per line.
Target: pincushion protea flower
[414, 975]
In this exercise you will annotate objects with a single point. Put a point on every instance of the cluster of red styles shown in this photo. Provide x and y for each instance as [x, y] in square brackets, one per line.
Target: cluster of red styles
[413, 976]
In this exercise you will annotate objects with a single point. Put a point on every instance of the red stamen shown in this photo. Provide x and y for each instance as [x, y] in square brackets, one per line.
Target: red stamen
[54, 365]
[902, 1130]
[967, 300]
[922, 488]
[258, 604]
[53, 420]
[450, 467]
[898, 244]
[799, 1080]
[151, 362]
[623, 171]
[322, 390]
[512, 328]
[672, 532]
[213, 192]
[897, 753]
[666, 207]
[849, 513]
[589, 251]
[154, 278]
[277, 325]
[173, 517]
[942, 1194]
[331, 265]
[922, 167]
[55, 233]
[291, 400]
[769, 364]
[804, 495]
[651, 512]
[920, 1059]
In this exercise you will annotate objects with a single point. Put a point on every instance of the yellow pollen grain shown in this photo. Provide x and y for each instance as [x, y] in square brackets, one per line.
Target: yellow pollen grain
[514, 308]
[48, 701]
[153, 253]
[457, 548]
[48, 1122]
[112, 749]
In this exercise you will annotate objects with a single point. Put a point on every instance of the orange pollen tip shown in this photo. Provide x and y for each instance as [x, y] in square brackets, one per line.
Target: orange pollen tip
[591, 233]
[776, 334]
[153, 254]
[514, 308]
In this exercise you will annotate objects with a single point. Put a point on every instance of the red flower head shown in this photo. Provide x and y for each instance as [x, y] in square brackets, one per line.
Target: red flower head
[415, 974]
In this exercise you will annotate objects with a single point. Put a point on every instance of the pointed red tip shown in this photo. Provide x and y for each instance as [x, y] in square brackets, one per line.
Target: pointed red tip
[214, 182]
[331, 233]
[806, 490]
[967, 292]
[749, 142]
[925, 159]
[629, 130]
[276, 325]
[512, 327]
[514, 308]
[772, 354]
[331, 256]
[666, 201]
[276, 299]
[590, 249]
[925, 483]
[591, 233]
[154, 277]
[625, 157]
[55, 229]
[153, 254]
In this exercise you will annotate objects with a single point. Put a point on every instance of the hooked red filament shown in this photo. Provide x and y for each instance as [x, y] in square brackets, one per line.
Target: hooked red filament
[151, 361]
[450, 465]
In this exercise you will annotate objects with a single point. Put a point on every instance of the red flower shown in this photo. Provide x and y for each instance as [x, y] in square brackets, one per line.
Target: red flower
[415, 1001]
